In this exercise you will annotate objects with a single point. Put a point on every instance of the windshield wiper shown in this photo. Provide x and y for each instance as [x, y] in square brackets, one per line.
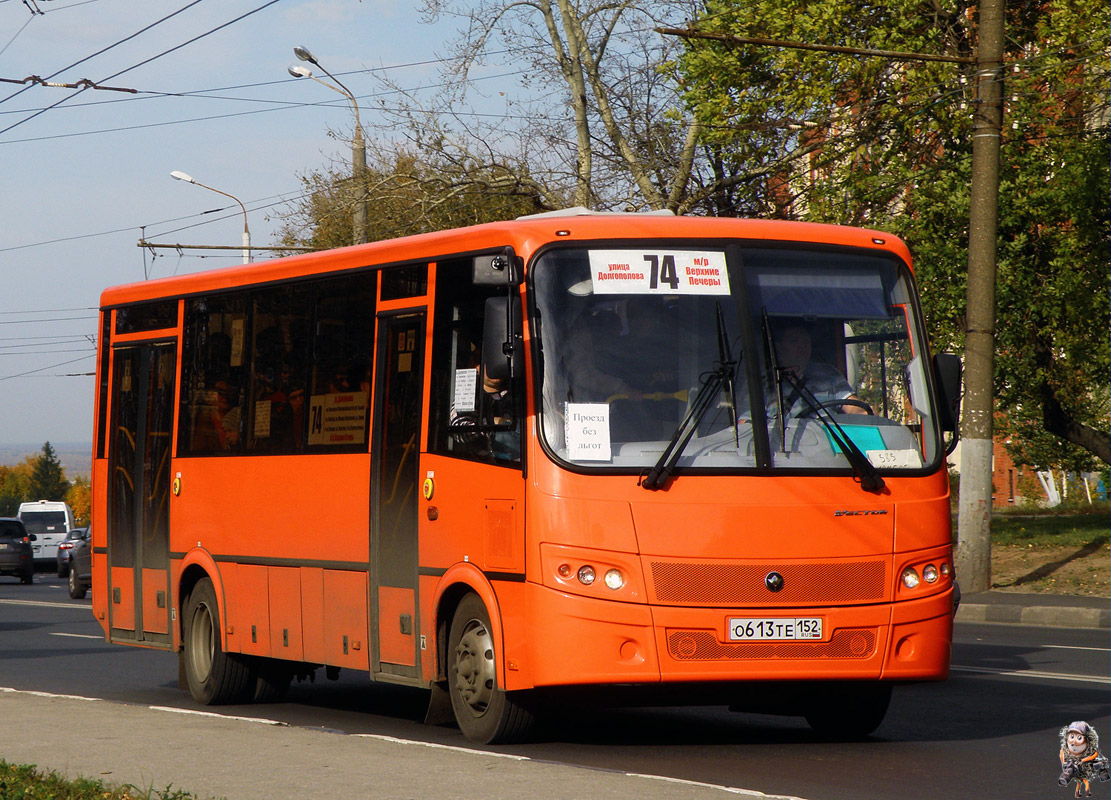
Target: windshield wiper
[864, 472]
[719, 378]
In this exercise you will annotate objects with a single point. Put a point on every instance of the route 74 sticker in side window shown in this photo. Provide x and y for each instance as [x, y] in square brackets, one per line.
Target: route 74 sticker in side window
[669, 272]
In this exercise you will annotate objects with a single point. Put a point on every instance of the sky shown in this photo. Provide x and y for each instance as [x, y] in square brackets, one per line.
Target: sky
[82, 181]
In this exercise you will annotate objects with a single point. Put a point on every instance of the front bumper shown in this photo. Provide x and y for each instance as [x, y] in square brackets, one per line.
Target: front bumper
[576, 640]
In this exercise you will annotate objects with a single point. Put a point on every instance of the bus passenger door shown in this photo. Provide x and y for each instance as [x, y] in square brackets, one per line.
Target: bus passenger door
[395, 479]
[138, 509]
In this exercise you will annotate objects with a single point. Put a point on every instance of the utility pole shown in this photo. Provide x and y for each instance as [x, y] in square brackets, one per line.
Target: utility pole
[973, 557]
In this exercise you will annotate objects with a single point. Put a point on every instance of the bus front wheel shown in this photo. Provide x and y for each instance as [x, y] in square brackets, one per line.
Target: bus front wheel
[484, 712]
[213, 676]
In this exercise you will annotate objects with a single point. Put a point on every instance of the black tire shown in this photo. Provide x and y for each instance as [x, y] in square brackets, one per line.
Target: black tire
[485, 713]
[77, 588]
[849, 711]
[272, 679]
[213, 676]
[63, 570]
[27, 578]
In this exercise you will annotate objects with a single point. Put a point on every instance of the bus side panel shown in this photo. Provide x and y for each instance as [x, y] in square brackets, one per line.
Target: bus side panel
[301, 508]
[476, 515]
[312, 614]
[395, 643]
[346, 597]
[156, 616]
[248, 608]
[98, 528]
[284, 584]
[122, 614]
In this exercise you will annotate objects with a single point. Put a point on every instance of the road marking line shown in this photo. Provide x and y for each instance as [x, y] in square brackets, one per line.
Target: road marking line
[44, 604]
[79, 635]
[8, 690]
[514, 757]
[194, 712]
[1052, 676]
[979, 643]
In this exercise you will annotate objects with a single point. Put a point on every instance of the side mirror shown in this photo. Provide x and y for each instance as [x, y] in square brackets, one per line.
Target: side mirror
[502, 269]
[502, 354]
[947, 372]
[32, 538]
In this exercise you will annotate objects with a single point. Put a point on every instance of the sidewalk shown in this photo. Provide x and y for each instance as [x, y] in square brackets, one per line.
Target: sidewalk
[1057, 610]
[213, 756]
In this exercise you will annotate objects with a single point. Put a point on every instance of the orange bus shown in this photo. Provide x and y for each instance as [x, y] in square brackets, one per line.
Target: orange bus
[679, 459]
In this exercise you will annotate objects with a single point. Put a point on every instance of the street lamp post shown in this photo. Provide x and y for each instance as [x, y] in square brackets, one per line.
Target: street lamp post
[181, 176]
[358, 148]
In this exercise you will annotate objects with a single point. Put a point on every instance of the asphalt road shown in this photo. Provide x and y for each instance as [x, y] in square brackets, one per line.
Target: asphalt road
[989, 731]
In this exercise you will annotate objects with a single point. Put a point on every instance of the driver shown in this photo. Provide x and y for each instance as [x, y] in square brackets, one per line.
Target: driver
[793, 350]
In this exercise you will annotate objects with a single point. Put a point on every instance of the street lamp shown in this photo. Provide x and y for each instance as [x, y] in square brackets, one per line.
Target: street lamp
[358, 149]
[181, 176]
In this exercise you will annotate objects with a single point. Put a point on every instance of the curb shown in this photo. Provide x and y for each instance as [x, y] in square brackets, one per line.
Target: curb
[1055, 616]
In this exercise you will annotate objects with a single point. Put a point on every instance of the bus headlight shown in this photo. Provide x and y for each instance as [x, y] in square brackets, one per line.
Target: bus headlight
[910, 578]
[592, 573]
[929, 574]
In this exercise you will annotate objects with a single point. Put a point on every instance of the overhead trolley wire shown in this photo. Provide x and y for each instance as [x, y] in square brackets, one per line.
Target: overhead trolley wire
[141, 63]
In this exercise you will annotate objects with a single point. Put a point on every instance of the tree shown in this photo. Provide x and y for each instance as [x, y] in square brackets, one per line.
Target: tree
[13, 488]
[409, 197]
[48, 478]
[79, 498]
[632, 145]
[863, 140]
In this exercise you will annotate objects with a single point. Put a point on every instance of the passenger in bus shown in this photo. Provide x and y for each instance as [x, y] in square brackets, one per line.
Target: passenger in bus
[793, 351]
[217, 424]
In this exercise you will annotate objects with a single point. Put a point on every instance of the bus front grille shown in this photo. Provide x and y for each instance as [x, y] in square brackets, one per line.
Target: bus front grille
[704, 646]
[745, 584]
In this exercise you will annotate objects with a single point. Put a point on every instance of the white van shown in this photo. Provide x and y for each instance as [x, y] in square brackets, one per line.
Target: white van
[50, 521]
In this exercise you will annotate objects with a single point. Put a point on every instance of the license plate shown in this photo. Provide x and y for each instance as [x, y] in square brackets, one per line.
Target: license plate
[764, 629]
[3, 546]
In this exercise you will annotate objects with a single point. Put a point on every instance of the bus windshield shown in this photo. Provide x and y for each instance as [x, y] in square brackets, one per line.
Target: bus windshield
[816, 356]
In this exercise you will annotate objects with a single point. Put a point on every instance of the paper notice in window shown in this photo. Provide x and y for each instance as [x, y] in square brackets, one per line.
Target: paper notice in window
[587, 431]
[678, 272]
[466, 389]
[262, 419]
[895, 459]
[337, 418]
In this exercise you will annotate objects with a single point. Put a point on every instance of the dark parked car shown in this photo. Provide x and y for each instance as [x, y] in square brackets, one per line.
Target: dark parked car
[80, 567]
[66, 545]
[16, 556]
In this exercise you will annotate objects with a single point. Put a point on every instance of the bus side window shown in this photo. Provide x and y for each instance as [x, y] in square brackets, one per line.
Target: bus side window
[215, 370]
[473, 415]
[279, 370]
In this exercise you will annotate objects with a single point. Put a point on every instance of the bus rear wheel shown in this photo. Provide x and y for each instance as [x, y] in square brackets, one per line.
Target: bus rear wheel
[484, 712]
[213, 676]
[849, 711]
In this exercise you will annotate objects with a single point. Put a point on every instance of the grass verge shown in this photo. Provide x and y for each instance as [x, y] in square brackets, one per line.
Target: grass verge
[27, 782]
[1072, 530]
